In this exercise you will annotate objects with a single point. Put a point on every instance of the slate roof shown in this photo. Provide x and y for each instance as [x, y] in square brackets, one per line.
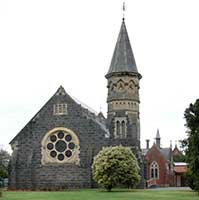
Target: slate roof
[166, 152]
[91, 114]
[123, 59]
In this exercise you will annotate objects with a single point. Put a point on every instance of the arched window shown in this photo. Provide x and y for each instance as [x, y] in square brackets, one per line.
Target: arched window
[117, 128]
[123, 129]
[120, 127]
[154, 169]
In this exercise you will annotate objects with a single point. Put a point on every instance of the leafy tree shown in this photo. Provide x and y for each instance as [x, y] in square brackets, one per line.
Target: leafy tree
[192, 142]
[180, 158]
[183, 146]
[179, 153]
[115, 165]
[3, 172]
[4, 160]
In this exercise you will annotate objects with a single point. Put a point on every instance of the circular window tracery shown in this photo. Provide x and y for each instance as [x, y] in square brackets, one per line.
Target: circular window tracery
[50, 146]
[68, 138]
[60, 145]
[60, 157]
[53, 138]
[71, 145]
[68, 153]
[53, 154]
[60, 135]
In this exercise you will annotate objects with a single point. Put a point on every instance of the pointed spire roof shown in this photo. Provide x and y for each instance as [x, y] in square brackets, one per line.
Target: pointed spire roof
[158, 134]
[123, 59]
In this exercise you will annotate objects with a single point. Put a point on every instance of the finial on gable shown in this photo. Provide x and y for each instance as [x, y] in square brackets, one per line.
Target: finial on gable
[61, 91]
[171, 144]
[123, 9]
[175, 143]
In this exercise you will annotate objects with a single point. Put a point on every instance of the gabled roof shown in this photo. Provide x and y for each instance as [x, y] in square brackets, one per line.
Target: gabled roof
[61, 93]
[166, 152]
[123, 59]
[176, 152]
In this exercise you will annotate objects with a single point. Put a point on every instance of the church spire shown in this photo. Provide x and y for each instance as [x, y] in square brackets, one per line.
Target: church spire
[157, 138]
[123, 94]
[123, 59]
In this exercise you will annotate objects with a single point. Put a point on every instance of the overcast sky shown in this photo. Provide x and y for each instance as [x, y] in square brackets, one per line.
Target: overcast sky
[45, 44]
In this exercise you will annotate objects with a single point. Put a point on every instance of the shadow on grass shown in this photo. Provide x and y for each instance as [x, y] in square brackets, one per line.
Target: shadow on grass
[116, 190]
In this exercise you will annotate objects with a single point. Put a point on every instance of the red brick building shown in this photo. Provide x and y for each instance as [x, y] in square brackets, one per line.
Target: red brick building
[179, 169]
[160, 170]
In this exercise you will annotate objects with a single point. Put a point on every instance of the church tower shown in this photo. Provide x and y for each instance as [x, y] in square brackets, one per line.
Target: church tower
[123, 100]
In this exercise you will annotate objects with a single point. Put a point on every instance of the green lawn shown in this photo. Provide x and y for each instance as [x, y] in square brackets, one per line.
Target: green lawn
[102, 195]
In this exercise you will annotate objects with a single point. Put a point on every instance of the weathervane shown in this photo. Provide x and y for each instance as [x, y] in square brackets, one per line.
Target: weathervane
[124, 9]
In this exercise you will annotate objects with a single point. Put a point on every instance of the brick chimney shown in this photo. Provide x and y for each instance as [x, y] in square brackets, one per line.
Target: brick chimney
[147, 143]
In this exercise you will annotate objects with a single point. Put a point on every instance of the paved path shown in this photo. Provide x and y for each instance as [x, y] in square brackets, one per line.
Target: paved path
[171, 188]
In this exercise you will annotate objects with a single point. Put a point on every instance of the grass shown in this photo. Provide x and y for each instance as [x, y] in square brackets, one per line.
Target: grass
[103, 195]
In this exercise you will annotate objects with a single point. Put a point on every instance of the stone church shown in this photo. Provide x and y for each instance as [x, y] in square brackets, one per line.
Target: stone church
[56, 147]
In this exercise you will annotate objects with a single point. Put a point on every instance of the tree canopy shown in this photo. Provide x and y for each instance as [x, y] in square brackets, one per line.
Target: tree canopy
[192, 142]
[4, 160]
[114, 166]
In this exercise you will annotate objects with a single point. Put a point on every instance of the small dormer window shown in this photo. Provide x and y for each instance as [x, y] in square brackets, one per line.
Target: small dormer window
[60, 109]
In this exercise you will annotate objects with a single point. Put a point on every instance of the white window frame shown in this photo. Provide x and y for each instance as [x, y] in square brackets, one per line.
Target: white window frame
[60, 109]
[154, 168]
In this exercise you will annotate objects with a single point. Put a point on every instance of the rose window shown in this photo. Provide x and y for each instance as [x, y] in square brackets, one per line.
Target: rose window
[60, 145]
